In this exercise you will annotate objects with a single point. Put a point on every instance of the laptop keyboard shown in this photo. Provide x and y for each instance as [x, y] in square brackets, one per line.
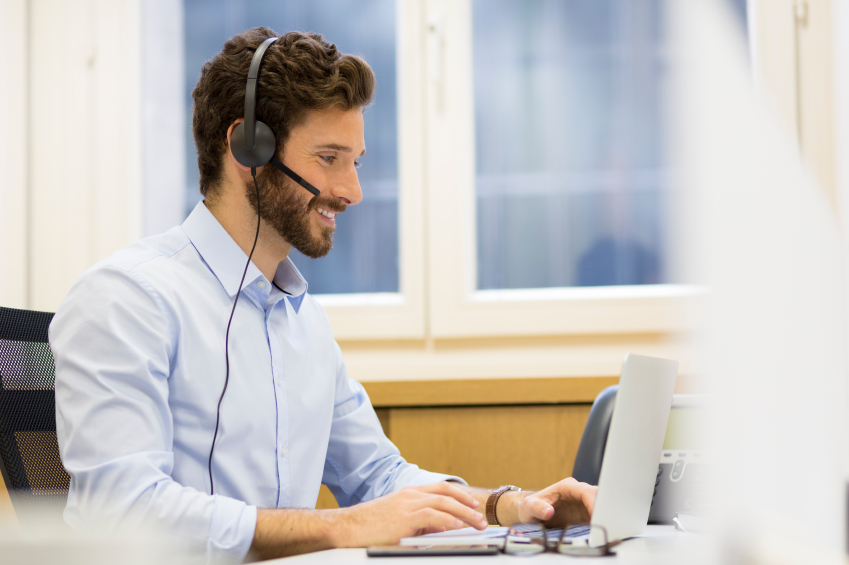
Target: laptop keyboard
[554, 533]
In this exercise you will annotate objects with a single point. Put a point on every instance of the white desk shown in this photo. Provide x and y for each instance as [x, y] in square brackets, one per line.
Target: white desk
[658, 545]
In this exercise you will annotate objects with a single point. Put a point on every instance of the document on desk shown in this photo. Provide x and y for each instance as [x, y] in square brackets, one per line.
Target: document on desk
[493, 535]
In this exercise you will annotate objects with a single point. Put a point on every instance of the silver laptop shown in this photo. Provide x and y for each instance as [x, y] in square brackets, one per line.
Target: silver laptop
[634, 444]
[629, 468]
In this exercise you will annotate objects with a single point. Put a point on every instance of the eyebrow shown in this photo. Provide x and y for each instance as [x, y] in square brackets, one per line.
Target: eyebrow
[337, 147]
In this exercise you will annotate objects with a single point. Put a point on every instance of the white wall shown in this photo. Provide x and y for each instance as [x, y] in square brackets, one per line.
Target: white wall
[13, 154]
[92, 155]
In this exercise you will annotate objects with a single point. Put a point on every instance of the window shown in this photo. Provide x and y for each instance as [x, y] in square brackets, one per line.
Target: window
[569, 148]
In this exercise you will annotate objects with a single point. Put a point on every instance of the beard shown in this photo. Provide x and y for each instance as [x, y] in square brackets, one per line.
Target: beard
[284, 209]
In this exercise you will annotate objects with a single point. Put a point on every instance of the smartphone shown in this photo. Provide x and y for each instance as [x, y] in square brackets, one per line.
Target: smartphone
[430, 550]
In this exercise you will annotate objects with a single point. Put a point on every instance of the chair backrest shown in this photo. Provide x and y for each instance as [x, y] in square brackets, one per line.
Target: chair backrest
[591, 450]
[29, 453]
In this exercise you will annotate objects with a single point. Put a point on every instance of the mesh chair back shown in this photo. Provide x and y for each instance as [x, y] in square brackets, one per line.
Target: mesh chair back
[29, 453]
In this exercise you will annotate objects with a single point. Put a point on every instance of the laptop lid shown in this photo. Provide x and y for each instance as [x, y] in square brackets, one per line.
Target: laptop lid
[634, 444]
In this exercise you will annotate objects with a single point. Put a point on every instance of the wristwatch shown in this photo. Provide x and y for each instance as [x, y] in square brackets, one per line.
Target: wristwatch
[493, 500]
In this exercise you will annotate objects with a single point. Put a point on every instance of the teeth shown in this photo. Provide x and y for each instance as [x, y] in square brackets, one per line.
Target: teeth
[326, 214]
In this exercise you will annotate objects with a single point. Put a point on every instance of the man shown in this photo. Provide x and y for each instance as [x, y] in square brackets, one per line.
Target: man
[140, 343]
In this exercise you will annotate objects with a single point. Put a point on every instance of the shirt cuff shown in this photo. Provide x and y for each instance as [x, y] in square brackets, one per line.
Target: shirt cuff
[231, 531]
[428, 478]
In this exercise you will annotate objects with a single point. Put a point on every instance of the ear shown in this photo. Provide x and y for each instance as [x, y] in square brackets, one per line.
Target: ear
[230, 150]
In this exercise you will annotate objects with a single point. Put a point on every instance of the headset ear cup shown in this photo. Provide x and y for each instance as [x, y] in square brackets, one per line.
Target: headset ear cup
[237, 146]
[265, 146]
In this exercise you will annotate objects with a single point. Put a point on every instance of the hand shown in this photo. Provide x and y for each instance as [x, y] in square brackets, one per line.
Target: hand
[407, 512]
[562, 504]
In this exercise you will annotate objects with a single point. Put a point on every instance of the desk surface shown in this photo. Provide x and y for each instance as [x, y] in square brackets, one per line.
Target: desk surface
[658, 545]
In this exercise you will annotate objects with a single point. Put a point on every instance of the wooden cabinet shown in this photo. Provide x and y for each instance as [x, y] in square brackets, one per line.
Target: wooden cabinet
[488, 431]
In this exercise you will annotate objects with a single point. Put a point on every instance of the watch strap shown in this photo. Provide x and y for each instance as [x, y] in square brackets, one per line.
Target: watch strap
[492, 501]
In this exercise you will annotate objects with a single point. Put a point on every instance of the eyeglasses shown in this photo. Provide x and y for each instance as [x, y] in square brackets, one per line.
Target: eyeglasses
[530, 538]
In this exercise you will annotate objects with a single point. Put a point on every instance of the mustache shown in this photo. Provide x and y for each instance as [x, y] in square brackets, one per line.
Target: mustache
[329, 204]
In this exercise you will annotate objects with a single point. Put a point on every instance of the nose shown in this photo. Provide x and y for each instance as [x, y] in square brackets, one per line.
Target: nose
[348, 189]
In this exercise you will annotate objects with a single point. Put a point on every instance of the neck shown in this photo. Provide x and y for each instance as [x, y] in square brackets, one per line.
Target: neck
[237, 217]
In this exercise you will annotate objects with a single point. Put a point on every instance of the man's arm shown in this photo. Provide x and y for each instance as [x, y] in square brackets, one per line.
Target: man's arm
[112, 346]
[414, 511]
[383, 521]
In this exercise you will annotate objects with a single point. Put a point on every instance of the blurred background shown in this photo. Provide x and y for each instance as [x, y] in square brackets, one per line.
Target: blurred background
[549, 184]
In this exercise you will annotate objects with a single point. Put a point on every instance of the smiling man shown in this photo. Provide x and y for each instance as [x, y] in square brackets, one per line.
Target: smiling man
[148, 378]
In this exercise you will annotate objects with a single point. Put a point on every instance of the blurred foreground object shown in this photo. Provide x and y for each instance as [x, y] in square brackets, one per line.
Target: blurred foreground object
[755, 228]
[47, 544]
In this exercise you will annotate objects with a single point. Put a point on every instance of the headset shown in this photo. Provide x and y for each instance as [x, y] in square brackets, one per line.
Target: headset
[253, 145]
[252, 142]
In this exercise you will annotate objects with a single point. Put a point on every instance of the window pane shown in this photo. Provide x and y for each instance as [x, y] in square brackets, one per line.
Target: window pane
[365, 253]
[569, 142]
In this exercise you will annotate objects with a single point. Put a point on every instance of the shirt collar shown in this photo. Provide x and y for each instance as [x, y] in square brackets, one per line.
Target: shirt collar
[226, 259]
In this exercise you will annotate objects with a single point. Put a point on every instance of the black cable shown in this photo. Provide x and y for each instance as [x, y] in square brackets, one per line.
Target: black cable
[227, 335]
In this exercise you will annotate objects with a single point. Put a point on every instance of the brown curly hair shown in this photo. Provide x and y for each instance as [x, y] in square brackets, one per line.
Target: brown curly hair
[300, 72]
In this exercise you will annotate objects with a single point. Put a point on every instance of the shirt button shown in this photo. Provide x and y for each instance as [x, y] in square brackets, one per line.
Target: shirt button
[279, 383]
[261, 284]
[282, 451]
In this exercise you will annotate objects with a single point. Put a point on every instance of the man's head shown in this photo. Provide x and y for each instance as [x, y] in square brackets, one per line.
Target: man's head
[312, 97]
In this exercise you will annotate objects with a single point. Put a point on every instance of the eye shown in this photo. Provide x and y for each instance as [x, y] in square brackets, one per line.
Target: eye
[357, 164]
[328, 159]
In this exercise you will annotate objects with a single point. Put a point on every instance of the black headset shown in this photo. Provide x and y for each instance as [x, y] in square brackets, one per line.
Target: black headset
[252, 142]
[253, 145]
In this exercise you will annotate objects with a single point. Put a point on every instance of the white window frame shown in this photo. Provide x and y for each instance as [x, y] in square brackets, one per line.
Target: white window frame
[456, 308]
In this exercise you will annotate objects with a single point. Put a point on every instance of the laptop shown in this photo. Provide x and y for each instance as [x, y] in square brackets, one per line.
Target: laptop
[629, 469]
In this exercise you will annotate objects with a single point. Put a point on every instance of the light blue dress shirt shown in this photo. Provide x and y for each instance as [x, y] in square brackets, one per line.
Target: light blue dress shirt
[139, 350]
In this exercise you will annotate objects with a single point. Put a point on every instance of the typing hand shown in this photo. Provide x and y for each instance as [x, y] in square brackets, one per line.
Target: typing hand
[407, 512]
[564, 503]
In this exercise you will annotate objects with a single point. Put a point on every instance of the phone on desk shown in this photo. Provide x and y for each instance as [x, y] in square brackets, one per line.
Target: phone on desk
[684, 469]
[430, 550]
[681, 485]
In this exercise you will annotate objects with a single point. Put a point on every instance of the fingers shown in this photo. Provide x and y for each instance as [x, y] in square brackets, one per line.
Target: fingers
[447, 488]
[570, 500]
[540, 509]
[430, 530]
[452, 507]
[589, 497]
[431, 519]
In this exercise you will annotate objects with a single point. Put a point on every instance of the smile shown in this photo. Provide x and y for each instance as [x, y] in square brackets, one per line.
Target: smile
[325, 213]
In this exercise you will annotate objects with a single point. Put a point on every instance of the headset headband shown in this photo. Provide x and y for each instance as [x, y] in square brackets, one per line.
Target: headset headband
[250, 94]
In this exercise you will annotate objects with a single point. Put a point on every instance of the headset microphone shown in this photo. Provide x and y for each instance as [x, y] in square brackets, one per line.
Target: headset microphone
[253, 145]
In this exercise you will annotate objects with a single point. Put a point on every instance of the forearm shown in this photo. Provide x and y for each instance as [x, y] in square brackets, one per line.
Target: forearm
[507, 509]
[282, 531]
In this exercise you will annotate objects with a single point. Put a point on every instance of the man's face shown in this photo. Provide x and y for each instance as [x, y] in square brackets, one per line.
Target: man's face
[324, 150]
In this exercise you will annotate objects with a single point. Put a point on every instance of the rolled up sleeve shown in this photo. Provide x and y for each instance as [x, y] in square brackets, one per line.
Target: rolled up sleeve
[113, 347]
[362, 463]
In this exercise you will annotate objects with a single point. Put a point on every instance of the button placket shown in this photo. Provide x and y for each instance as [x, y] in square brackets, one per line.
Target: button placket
[282, 417]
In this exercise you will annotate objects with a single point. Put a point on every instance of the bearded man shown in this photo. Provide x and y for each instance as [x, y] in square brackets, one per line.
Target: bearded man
[143, 352]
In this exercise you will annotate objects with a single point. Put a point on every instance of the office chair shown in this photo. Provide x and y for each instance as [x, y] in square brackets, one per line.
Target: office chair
[29, 453]
[591, 449]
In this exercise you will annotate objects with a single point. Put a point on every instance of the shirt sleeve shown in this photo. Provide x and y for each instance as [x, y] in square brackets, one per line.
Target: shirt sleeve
[362, 464]
[113, 348]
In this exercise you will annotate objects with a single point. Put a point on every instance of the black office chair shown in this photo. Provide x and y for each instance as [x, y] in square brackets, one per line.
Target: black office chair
[29, 454]
[591, 450]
